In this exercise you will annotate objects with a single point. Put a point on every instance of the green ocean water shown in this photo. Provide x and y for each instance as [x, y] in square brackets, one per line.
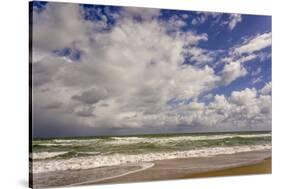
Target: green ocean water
[138, 144]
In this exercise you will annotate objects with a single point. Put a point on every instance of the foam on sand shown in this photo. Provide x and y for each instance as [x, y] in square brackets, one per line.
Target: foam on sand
[143, 166]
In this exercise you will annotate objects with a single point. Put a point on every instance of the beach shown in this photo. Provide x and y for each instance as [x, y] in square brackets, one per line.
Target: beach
[252, 162]
[200, 167]
[263, 167]
[122, 159]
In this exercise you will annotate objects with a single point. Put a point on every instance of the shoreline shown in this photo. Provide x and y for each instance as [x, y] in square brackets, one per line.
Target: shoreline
[187, 168]
[170, 169]
[143, 166]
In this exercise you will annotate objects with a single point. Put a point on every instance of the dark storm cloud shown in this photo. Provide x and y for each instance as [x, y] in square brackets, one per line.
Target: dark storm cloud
[86, 112]
[52, 105]
[91, 96]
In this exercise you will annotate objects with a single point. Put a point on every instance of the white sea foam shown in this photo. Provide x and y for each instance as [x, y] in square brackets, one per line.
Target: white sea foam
[44, 155]
[59, 141]
[54, 144]
[76, 141]
[164, 140]
[135, 140]
[118, 159]
[68, 142]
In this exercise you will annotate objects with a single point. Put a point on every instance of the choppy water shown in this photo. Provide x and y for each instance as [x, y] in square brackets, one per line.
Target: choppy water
[92, 152]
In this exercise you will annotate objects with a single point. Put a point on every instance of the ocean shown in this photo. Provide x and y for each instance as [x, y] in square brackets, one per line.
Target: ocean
[91, 152]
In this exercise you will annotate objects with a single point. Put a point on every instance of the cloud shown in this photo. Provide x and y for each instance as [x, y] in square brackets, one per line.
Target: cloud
[249, 50]
[190, 38]
[245, 53]
[256, 72]
[231, 72]
[257, 80]
[91, 96]
[254, 44]
[199, 19]
[200, 56]
[52, 105]
[234, 19]
[51, 25]
[142, 13]
[202, 17]
[243, 108]
[247, 58]
[85, 111]
[220, 19]
[266, 89]
[175, 23]
[252, 105]
[133, 74]
[208, 96]
[243, 97]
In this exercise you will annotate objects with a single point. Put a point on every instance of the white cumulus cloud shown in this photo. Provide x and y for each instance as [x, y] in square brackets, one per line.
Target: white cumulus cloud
[232, 71]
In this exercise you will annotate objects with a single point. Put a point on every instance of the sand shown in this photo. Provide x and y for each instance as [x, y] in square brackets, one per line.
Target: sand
[74, 177]
[255, 162]
[194, 167]
[263, 167]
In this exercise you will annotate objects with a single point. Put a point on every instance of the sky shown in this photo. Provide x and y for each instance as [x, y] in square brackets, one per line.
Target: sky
[107, 70]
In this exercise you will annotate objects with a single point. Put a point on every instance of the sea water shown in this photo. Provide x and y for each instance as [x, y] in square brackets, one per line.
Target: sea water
[91, 152]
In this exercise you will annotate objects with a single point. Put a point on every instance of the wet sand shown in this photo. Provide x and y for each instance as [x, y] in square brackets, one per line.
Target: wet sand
[257, 162]
[197, 167]
[263, 167]
[74, 177]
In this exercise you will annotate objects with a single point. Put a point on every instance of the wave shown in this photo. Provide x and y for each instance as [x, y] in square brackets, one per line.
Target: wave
[45, 155]
[65, 154]
[163, 140]
[133, 140]
[88, 162]
[65, 149]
